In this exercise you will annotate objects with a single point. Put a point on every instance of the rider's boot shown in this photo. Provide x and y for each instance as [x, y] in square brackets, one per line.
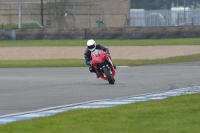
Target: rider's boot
[97, 75]
[114, 66]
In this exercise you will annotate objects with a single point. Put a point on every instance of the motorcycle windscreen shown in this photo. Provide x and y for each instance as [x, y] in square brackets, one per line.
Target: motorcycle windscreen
[97, 53]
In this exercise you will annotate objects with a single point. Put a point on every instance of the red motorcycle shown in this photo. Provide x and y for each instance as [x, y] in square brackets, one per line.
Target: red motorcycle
[103, 65]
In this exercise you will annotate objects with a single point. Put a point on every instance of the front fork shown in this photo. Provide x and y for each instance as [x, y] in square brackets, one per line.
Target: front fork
[110, 60]
[106, 65]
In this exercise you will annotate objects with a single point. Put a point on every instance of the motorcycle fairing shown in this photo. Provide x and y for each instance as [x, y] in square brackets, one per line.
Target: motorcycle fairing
[100, 60]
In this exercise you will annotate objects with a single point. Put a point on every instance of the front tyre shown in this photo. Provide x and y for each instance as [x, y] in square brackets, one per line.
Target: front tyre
[111, 80]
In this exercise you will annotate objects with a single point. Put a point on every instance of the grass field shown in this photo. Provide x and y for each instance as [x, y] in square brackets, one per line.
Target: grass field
[134, 42]
[172, 115]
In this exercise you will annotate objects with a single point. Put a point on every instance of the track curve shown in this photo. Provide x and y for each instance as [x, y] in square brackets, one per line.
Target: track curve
[28, 89]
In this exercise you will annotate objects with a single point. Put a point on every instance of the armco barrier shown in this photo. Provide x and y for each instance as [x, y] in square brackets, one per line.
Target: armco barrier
[144, 33]
[101, 33]
[7, 35]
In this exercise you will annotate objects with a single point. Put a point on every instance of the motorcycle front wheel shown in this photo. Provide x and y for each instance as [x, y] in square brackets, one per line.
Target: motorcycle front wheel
[111, 80]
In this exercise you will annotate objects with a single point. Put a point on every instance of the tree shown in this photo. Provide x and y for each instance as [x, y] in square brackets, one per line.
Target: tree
[56, 10]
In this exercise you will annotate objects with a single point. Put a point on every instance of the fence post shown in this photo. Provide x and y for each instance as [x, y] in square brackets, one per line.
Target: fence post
[178, 20]
[20, 15]
[13, 34]
[42, 13]
[192, 21]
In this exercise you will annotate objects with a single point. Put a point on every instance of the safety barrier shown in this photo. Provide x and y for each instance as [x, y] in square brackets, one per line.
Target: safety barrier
[101, 33]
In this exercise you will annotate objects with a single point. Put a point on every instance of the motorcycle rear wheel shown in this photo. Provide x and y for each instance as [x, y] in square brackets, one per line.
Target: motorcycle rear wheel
[111, 80]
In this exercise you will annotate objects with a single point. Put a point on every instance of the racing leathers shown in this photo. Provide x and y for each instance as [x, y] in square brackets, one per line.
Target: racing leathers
[88, 57]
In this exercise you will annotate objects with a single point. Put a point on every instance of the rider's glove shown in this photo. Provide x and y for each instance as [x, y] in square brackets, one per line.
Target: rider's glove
[108, 53]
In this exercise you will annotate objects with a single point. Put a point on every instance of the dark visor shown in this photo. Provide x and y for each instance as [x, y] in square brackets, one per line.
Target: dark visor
[91, 47]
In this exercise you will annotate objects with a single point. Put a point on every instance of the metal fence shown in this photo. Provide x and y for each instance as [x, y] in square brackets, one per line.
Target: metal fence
[67, 13]
[30, 12]
[156, 18]
[92, 14]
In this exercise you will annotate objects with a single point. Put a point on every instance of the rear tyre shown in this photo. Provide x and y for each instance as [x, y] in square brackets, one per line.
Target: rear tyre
[111, 80]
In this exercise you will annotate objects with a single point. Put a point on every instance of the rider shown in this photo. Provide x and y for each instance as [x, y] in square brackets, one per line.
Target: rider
[91, 46]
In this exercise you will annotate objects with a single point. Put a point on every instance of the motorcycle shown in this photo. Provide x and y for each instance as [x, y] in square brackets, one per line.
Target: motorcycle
[103, 65]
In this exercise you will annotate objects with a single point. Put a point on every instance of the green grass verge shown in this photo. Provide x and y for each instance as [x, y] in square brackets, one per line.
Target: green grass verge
[81, 62]
[42, 63]
[25, 25]
[171, 115]
[133, 42]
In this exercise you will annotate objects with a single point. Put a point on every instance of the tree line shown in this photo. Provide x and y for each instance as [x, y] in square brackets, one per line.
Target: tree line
[163, 4]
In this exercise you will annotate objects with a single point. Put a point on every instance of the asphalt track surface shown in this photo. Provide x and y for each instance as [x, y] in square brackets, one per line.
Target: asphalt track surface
[29, 89]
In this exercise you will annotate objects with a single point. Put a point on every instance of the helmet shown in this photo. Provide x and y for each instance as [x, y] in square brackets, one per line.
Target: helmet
[91, 45]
